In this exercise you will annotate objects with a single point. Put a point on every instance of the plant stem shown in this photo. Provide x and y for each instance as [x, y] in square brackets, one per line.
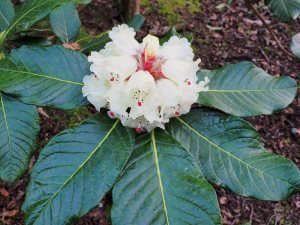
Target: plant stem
[271, 31]
[2, 38]
[137, 7]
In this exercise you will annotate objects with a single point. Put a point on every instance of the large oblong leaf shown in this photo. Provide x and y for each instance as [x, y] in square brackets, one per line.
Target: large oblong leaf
[162, 186]
[7, 14]
[75, 170]
[19, 127]
[243, 89]
[45, 76]
[229, 152]
[32, 11]
[286, 10]
[65, 22]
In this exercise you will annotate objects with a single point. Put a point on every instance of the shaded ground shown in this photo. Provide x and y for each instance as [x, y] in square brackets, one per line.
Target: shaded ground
[242, 38]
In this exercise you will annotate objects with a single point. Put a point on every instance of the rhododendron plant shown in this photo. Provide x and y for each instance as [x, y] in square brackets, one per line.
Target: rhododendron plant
[162, 130]
[146, 84]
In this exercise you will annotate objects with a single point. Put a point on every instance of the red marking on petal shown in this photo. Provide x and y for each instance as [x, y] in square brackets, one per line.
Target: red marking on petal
[139, 104]
[149, 63]
[138, 129]
[112, 79]
[177, 113]
[157, 74]
[189, 83]
[111, 114]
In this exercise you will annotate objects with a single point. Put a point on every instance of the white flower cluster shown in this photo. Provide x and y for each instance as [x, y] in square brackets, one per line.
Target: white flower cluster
[146, 84]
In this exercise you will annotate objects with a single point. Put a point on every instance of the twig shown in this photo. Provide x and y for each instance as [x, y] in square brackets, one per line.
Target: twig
[264, 54]
[271, 31]
[137, 7]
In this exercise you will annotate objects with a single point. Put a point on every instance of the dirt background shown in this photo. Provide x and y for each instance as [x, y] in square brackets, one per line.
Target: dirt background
[243, 37]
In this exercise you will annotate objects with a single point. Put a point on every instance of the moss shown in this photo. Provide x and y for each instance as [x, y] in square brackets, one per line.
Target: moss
[172, 8]
[75, 116]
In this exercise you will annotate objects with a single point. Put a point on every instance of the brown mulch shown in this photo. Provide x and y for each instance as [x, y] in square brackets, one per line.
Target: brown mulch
[243, 37]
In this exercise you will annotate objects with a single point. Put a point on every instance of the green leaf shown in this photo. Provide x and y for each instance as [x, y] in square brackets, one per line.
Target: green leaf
[97, 43]
[286, 10]
[7, 14]
[137, 22]
[229, 152]
[65, 22]
[295, 46]
[32, 11]
[75, 170]
[162, 186]
[19, 127]
[173, 32]
[45, 76]
[83, 1]
[243, 89]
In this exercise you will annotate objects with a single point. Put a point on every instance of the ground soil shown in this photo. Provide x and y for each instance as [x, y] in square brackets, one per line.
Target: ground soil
[243, 37]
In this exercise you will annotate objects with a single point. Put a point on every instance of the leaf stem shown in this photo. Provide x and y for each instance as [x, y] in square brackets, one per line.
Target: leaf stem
[137, 7]
[289, 54]
[2, 38]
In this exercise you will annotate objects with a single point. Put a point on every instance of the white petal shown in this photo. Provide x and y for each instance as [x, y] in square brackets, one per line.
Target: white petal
[151, 46]
[140, 80]
[94, 86]
[179, 70]
[123, 40]
[168, 92]
[119, 102]
[97, 100]
[122, 65]
[177, 48]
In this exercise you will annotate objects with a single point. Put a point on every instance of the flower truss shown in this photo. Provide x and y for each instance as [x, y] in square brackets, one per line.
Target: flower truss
[146, 84]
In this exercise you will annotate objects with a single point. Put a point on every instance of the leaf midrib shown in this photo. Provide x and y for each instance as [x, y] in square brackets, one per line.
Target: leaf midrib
[65, 25]
[43, 76]
[24, 15]
[247, 90]
[7, 130]
[78, 169]
[161, 188]
[229, 154]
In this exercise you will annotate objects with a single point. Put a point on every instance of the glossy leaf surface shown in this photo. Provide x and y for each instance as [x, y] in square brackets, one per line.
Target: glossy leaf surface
[7, 14]
[286, 10]
[243, 89]
[45, 76]
[162, 186]
[19, 127]
[65, 22]
[229, 152]
[75, 170]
